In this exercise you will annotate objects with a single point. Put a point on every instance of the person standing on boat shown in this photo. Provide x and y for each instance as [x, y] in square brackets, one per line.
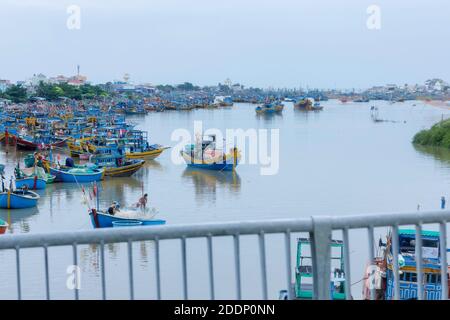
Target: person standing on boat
[113, 208]
[442, 202]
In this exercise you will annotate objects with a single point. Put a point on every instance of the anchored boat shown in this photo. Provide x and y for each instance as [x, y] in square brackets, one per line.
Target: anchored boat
[18, 199]
[380, 272]
[268, 108]
[205, 155]
[302, 289]
[137, 147]
[101, 219]
[77, 174]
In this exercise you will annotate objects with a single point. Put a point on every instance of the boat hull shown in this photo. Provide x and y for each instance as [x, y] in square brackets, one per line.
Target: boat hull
[214, 164]
[63, 176]
[124, 171]
[103, 220]
[148, 155]
[29, 145]
[32, 183]
[11, 200]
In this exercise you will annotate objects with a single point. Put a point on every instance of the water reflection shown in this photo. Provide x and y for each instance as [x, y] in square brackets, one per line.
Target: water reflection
[269, 117]
[18, 219]
[438, 153]
[207, 182]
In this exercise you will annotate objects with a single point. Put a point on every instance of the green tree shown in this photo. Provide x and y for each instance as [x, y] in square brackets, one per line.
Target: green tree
[16, 93]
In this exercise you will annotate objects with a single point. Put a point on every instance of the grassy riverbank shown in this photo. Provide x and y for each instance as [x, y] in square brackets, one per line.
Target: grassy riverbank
[438, 135]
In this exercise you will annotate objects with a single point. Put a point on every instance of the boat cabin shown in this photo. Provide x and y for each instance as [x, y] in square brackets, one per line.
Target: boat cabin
[303, 288]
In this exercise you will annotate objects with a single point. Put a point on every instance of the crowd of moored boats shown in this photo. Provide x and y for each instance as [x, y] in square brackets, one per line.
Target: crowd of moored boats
[106, 145]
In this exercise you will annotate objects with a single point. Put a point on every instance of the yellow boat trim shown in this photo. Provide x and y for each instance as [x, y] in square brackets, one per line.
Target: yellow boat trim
[116, 171]
[147, 154]
[9, 199]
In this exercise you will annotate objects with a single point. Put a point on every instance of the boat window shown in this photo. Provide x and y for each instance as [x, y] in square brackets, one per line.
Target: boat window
[413, 277]
[431, 278]
[403, 276]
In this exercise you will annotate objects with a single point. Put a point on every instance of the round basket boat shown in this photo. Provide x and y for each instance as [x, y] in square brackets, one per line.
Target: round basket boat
[130, 223]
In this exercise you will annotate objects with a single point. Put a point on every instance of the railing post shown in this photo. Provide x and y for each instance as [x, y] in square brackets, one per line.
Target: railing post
[321, 256]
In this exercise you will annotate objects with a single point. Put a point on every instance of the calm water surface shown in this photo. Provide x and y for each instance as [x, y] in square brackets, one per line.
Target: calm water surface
[334, 162]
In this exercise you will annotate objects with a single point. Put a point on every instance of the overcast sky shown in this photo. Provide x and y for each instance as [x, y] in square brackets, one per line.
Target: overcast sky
[279, 43]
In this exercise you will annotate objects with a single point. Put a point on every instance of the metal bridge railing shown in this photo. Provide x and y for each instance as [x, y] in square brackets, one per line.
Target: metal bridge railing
[320, 229]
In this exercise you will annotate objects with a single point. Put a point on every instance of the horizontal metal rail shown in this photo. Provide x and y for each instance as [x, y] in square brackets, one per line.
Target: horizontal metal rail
[320, 229]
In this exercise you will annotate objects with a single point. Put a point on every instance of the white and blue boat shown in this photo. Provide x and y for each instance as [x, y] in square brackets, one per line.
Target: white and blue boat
[77, 175]
[382, 281]
[205, 155]
[100, 219]
[18, 199]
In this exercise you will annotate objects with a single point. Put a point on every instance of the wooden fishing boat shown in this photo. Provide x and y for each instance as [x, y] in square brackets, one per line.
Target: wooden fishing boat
[204, 155]
[127, 169]
[77, 175]
[78, 146]
[3, 226]
[28, 144]
[18, 199]
[113, 160]
[32, 183]
[304, 104]
[101, 219]
[268, 108]
[151, 153]
[380, 271]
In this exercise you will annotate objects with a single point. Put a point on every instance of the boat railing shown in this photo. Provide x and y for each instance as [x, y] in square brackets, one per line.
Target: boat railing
[320, 229]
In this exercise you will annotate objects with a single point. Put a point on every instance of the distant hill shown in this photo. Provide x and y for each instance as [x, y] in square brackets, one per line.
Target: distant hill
[438, 135]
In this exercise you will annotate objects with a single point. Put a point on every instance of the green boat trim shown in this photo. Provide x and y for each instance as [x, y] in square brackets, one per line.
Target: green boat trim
[303, 287]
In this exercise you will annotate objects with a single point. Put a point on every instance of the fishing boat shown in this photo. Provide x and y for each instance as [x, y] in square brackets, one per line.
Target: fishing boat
[137, 147]
[302, 289]
[77, 174]
[303, 104]
[317, 106]
[150, 153]
[78, 146]
[3, 226]
[112, 159]
[29, 143]
[379, 275]
[268, 108]
[33, 173]
[101, 219]
[18, 199]
[205, 155]
[223, 101]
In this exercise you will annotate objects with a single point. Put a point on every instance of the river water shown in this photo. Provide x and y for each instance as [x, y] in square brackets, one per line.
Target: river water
[333, 162]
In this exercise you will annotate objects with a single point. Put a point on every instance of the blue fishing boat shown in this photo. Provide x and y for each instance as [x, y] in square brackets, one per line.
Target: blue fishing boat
[380, 272]
[32, 183]
[78, 174]
[205, 155]
[267, 108]
[102, 219]
[18, 199]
